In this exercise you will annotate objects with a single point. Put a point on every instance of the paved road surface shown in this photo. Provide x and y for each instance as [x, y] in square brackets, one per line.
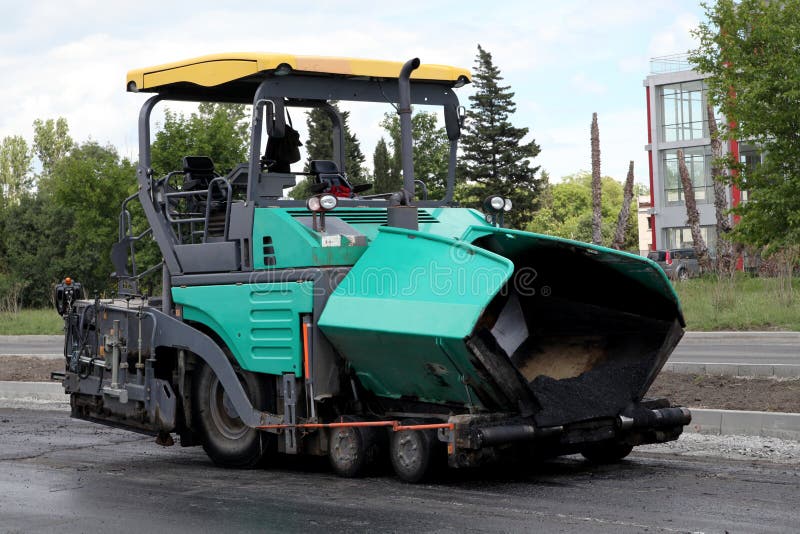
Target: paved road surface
[739, 348]
[695, 347]
[44, 346]
[60, 475]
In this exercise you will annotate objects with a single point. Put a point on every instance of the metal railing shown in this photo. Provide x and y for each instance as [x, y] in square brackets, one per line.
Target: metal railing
[179, 219]
[187, 225]
[670, 63]
[128, 282]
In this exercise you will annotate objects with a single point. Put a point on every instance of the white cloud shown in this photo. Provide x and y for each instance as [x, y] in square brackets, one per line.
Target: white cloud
[675, 38]
[562, 59]
[585, 84]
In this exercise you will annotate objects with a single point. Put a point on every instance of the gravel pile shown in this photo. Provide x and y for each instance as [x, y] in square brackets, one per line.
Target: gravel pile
[731, 447]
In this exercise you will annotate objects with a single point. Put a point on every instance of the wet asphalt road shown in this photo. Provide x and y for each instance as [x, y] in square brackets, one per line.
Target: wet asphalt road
[62, 475]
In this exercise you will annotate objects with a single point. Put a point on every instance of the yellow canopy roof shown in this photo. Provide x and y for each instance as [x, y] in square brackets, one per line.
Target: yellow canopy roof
[216, 69]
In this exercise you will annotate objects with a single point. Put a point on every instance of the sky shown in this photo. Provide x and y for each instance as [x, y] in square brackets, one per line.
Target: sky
[563, 60]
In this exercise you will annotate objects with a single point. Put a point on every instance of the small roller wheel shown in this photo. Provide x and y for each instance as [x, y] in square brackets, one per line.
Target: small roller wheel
[411, 452]
[607, 452]
[352, 449]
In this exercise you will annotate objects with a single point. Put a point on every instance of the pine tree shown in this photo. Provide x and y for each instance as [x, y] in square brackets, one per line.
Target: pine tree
[320, 144]
[381, 164]
[495, 159]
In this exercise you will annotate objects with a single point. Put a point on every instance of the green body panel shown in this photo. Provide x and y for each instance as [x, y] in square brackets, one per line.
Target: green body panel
[402, 313]
[293, 245]
[260, 323]
[453, 221]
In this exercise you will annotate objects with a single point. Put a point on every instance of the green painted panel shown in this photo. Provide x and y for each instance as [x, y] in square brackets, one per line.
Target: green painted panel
[401, 314]
[280, 242]
[446, 222]
[260, 323]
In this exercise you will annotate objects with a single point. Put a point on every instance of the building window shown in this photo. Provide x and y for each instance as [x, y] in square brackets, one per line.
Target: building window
[750, 158]
[698, 163]
[683, 113]
[682, 237]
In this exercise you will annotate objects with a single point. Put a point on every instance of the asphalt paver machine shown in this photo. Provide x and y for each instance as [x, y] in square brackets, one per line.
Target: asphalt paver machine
[355, 326]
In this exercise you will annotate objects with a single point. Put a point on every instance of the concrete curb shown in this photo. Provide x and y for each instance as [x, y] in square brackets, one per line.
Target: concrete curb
[33, 391]
[780, 337]
[49, 356]
[734, 422]
[717, 422]
[777, 370]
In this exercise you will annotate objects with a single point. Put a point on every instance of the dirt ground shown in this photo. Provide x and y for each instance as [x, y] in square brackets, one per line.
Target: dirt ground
[28, 368]
[695, 391]
[729, 392]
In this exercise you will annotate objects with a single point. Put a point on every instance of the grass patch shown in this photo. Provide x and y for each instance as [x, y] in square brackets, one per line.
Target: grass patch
[743, 303]
[28, 322]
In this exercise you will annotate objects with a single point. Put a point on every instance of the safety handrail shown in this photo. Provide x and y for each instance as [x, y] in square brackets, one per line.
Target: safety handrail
[219, 182]
[130, 284]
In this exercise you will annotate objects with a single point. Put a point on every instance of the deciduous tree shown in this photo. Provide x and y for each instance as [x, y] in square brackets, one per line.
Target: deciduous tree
[219, 131]
[51, 143]
[566, 211]
[15, 169]
[749, 49]
[431, 152]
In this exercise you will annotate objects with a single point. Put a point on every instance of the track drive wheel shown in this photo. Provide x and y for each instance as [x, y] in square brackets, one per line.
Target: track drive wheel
[607, 452]
[412, 452]
[353, 450]
[225, 437]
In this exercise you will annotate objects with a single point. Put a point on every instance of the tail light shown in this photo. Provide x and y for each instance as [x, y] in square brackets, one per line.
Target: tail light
[668, 258]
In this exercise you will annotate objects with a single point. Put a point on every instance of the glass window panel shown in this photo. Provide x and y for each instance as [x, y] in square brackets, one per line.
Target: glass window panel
[682, 113]
[698, 166]
[682, 237]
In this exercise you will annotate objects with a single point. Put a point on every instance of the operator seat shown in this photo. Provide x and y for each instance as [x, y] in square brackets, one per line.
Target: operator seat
[329, 180]
[198, 171]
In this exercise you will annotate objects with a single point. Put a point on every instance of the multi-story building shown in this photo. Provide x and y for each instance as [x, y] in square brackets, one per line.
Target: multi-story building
[677, 119]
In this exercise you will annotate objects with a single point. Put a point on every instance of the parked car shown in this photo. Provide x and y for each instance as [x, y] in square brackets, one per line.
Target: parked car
[678, 263]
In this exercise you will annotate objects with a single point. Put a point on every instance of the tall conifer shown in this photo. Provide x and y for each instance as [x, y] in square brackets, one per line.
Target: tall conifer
[495, 160]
